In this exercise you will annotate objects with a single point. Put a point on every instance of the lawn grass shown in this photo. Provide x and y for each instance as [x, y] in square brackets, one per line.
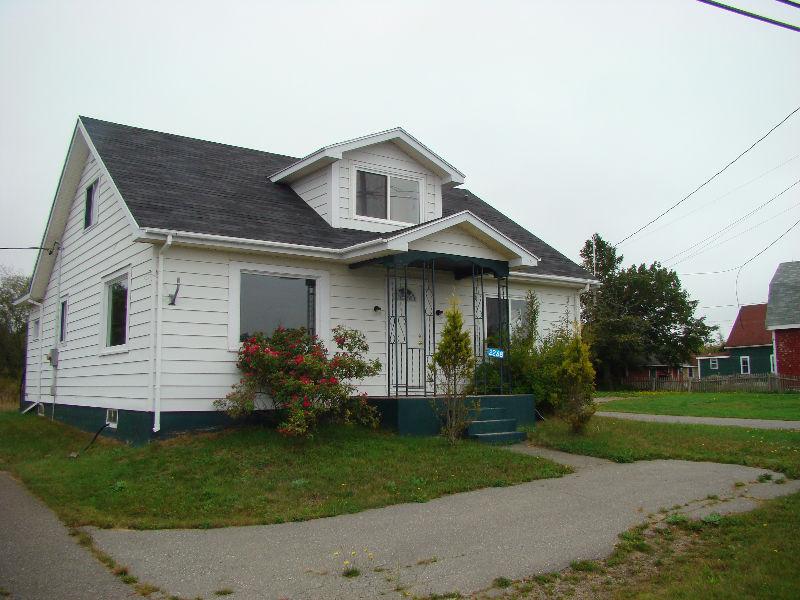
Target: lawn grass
[743, 405]
[245, 476]
[752, 555]
[627, 441]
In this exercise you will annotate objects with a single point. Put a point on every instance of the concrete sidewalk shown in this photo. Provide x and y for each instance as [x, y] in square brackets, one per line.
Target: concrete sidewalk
[750, 423]
[455, 543]
[38, 558]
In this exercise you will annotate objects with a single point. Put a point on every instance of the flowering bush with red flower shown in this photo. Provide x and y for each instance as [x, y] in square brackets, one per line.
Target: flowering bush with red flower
[294, 369]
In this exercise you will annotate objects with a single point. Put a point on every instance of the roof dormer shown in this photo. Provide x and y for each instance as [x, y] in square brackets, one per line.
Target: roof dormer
[380, 182]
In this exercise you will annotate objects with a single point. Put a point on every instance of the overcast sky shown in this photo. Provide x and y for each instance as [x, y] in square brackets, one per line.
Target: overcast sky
[572, 117]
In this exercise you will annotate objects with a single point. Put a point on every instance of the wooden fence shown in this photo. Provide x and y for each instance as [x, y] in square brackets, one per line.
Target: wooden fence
[767, 382]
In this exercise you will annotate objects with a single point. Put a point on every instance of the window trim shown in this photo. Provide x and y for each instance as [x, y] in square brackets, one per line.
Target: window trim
[62, 320]
[741, 365]
[388, 173]
[713, 364]
[35, 326]
[322, 296]
[105, 281]
[95, 195]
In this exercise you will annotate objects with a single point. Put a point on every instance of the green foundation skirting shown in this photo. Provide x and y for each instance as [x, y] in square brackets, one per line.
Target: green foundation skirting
[410, 415]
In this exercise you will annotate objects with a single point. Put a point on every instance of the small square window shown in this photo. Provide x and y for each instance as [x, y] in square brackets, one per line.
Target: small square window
[40, 409]
[34, 329]
[713, 364]
[744, 364]
[112, 417]
[90, 205]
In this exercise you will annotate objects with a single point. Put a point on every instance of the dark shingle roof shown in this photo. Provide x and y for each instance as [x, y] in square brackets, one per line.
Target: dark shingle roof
[185, 184]
[783, 307]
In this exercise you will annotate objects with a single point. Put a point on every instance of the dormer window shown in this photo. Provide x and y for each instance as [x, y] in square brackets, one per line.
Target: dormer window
[387, 197]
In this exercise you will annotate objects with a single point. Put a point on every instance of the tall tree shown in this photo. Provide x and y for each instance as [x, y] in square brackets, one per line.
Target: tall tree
[12, 322]
[637, 313]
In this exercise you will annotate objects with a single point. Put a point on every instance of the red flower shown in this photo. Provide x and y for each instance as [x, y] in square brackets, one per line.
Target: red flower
[298, 360]
[304, 379]
[306, 403]
[333, 380]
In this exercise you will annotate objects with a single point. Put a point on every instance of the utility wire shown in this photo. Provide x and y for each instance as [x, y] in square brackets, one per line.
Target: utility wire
[709, 239]
[718, 198]
[709, 180]
[755, 256]
[789, 2]
[745, 13]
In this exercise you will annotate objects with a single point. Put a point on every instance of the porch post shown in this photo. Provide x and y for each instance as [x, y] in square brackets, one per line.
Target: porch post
[477, 318]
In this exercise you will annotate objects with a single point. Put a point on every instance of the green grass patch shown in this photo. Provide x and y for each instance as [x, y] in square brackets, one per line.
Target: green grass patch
[627, 441]
[752, 555]
[246, 476]
[744, 405]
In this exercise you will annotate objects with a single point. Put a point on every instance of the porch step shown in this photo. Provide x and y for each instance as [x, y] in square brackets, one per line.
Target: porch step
[488, 414]
[505, 437]
[492, 426]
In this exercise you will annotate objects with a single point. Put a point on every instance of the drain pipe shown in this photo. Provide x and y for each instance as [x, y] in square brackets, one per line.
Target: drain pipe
[159, 320]
[41, 349]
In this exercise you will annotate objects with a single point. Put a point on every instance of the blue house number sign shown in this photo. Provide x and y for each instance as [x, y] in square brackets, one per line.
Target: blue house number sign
[495, 353]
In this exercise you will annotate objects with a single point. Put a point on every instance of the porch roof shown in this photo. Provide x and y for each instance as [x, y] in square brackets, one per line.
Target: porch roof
[461, 266]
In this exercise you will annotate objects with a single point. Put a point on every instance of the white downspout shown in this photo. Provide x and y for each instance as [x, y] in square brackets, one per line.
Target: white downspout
[159, 334]
[41, 347]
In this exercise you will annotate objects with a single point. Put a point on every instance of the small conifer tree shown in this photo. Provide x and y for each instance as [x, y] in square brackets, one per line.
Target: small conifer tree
[452, 368]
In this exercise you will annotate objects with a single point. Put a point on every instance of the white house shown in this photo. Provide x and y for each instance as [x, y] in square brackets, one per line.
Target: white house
[165, 250]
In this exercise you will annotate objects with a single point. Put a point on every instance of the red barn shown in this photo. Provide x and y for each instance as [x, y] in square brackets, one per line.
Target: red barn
[783, 317]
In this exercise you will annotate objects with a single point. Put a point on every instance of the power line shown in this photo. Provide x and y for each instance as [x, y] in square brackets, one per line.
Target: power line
[789, 2]
[751, 15]
[752, 258]
[709, 239]
[709, 180]
[718, 198]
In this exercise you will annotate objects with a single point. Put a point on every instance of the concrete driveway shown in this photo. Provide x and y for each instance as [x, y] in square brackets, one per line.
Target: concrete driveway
[460, 542]
[38, 558]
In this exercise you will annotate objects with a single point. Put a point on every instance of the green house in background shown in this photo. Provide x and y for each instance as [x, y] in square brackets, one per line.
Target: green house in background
[748, 351]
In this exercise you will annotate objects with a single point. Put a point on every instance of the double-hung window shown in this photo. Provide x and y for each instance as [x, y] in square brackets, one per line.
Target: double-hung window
[115, 310]
[744, 364]
[515, 309]
[387, 197]
[713, 364]
[90, 205]
[34, 330]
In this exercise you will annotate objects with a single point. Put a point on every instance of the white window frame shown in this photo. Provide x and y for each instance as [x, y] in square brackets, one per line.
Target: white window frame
[62, 331]
[112, 417]
[36, 329]
[772, 366]
[713, 364]
[388, 173]
[106, 281]
[95, 198]
[741, 365]
[40, 409]
[322, 296]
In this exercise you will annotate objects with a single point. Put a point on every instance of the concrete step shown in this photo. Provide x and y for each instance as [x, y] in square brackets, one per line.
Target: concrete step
[505, 437]
[492, 426]
[488, 414]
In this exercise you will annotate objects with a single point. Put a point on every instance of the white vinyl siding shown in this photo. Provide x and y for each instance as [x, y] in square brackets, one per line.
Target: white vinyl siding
[86, 376]
[458, 242]
[314, 189]
[198, 363]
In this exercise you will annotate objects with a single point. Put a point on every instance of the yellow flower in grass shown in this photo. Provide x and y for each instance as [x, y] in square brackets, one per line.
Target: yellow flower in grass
[346, 563]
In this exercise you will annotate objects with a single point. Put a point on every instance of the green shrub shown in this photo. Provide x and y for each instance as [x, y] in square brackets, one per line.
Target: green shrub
[293, 369]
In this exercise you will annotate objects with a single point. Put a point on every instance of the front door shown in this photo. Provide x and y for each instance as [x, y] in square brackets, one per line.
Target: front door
[411, 363]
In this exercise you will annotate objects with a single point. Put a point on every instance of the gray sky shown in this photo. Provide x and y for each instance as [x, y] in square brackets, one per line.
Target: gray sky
[569, 116]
